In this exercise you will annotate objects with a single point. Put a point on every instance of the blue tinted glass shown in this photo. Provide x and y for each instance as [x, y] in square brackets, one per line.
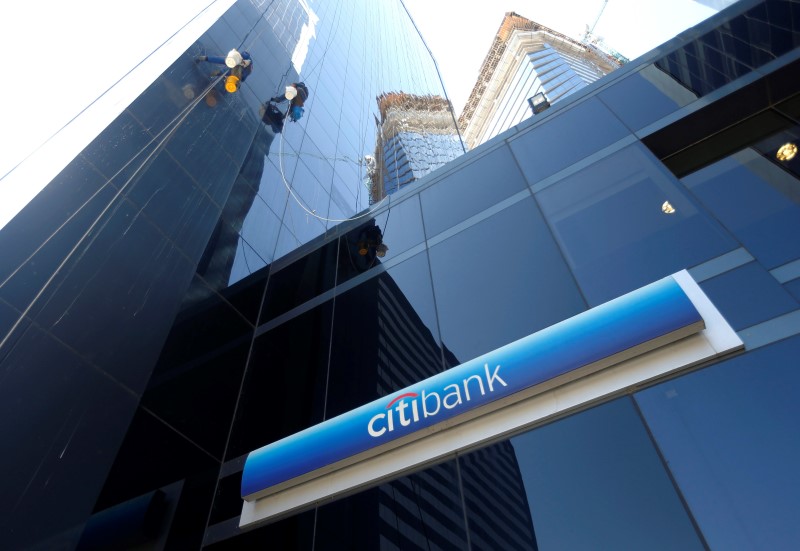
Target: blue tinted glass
[566, 138]
[71, 418]
[498, 514]
[645, 96]
[115, 300]
[301, 281]
[170, 198]
[303, 220]
[271, 187]
[260, 228]
[385, 337]
[378, 240]
[276, 369]
[514, 277]
[492, 178]
[748, 295]
[595, 481]
[729, 434]
[611, 223]
[793, 287]
[154, 457]
[246, 262]
[754, 199]
[420, 511]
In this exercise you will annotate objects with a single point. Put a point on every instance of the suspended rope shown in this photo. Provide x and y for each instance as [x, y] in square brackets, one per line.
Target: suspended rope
[160, 140]
[167, 134]
[312, 212]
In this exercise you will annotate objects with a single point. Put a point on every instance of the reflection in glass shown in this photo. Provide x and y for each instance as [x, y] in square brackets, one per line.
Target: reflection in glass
[385, 336]
[595, 481]
[380, 239]
[478, 186]
[224, 247]
[514, 276]
[730, 436]
[420, 511]
[498, 513]
[748, 295]
[563, 141]
[735, 48]
[757, 198]
[645, 96]
[610, 223]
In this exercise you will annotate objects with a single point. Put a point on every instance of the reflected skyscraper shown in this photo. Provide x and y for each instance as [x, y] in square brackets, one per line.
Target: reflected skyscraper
[416, 135]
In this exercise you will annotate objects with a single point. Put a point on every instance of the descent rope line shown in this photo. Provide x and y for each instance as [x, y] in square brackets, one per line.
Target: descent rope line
[175, 122]
[313, 213]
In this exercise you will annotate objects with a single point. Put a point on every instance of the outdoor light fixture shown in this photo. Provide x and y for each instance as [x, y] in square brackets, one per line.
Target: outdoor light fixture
[667, 208]
[786, 152]
[233, 59]
[538, 103]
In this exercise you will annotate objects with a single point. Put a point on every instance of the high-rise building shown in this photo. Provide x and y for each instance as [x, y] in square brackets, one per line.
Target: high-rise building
[416, 135]
[581, 335]
[526, 59]
[184, 196]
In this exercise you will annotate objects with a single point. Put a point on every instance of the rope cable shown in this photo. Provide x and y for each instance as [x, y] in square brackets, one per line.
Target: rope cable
[159, 147]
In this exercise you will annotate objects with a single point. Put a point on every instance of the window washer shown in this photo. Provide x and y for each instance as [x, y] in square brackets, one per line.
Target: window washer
[297, 94]
[239, 65]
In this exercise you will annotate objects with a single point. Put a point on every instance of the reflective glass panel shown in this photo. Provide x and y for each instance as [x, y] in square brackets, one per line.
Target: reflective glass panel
[595, 481]
[385, 336]
[645, 96]
[421, 511]
[280, 366]
[500, 280]
[492, 178]
[730, 435]
[564, 140]
[748, 295]
[757, 200]
[624, 222]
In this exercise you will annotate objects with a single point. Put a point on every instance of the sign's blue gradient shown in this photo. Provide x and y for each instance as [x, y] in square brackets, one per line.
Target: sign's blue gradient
[613, 327]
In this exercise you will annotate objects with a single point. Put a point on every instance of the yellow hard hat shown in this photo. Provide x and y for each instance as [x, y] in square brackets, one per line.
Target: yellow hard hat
[232, 83]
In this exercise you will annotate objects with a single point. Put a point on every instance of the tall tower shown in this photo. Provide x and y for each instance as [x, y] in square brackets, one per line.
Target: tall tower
[416, 135]
[525, 59]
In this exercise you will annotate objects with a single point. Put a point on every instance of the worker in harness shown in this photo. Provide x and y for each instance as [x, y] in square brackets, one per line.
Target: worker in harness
[239, 65]
[297, 94]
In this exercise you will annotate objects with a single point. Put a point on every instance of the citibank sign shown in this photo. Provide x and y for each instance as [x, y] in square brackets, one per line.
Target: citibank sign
[407, 407]
[490, 396]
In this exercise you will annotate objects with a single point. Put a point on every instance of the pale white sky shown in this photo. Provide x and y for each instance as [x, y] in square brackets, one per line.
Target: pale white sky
[62, 55]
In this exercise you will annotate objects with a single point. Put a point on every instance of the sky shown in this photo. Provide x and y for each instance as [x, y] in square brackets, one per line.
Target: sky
[63, 57]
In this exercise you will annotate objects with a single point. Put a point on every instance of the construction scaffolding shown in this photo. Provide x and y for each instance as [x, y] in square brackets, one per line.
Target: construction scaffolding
[415, 135]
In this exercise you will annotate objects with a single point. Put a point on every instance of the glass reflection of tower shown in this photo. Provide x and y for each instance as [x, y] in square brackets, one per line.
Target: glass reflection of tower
[408, 352]
[416, 135]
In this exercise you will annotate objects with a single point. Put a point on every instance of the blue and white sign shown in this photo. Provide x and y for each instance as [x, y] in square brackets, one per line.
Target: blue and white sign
[641, 320]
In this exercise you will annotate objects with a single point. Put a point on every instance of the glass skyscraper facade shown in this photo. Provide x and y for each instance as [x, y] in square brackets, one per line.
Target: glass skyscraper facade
[416, 135]
[168, 305]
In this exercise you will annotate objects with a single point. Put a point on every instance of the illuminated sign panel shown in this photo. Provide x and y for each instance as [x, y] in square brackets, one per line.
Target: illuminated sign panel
[632, 324]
